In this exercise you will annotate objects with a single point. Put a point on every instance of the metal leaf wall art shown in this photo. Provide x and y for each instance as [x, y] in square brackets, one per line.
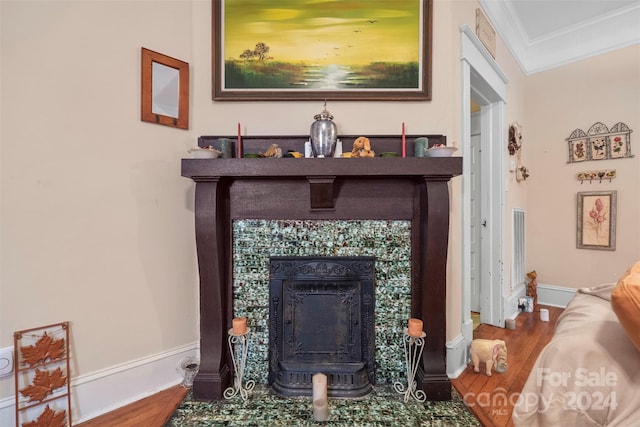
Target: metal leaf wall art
[42, 376]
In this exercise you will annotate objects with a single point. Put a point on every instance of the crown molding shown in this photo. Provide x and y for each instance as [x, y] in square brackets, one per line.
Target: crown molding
[587, 39]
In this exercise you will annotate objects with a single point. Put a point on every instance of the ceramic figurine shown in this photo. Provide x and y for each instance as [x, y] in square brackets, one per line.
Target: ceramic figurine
[490, 352]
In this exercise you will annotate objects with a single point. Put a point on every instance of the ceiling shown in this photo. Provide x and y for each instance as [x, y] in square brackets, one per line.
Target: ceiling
[543, 34]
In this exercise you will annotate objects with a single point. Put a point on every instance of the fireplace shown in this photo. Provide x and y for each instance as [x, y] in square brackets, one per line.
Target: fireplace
[407, 189]
[321, 319]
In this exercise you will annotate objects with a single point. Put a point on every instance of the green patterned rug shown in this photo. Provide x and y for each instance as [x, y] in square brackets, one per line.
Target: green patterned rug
[384, 407]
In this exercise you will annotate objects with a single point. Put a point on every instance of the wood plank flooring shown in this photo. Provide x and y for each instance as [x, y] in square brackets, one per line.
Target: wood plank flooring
[523, 344]
[152, 411]
[491, 398]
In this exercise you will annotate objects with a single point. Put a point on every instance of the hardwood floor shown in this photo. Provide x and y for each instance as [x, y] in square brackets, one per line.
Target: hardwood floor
[523, 344]
[491, 398]
[153, 411]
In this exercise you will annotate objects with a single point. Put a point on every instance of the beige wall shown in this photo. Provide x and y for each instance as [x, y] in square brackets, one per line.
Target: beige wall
[97, 224]
[602, 89]
[96, 221]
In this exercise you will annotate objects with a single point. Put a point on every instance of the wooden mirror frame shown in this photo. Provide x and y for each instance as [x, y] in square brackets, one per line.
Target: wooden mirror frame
[147, 114]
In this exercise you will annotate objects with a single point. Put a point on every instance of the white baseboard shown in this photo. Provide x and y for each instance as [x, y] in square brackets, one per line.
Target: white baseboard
[456, 356]
[555, 296]
[511, 302]
[103, 391]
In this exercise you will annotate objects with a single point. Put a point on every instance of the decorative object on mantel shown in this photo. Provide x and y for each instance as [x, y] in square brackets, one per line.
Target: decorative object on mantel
[404, 141]
[42, 376]
[274, 151]
[205, 152]
[239, 144]
[420, 146]
[324, 134]
[440, 150]
[596, 175]
[362, 148]
[600, 143]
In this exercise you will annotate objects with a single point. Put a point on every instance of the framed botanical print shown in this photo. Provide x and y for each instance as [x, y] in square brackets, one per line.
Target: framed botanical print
[596, 219]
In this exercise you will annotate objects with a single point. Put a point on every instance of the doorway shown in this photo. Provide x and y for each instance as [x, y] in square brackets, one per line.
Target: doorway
[482, 208]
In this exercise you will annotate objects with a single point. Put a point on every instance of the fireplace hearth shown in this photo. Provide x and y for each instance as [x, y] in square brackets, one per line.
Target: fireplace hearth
[322, 320]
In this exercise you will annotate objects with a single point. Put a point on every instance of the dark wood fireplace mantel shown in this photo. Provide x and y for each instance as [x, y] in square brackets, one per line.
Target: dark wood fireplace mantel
[414, 189]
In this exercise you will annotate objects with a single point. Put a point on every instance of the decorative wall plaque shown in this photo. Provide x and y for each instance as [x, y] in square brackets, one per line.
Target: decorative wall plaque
[600, 143]
[485, 32]
[42, 376]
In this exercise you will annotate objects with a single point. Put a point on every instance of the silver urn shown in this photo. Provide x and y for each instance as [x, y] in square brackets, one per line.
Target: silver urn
[324, 134]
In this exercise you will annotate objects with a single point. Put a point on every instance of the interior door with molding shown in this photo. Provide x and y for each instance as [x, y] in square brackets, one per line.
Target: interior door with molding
[475, 272]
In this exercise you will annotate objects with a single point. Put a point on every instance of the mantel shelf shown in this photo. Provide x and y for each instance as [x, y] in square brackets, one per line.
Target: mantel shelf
[434, 167]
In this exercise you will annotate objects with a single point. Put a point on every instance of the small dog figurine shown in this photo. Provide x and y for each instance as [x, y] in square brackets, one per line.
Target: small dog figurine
[532, 287]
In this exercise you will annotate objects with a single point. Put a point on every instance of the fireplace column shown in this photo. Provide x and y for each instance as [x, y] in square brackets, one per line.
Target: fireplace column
[214, 261]
[429, 300]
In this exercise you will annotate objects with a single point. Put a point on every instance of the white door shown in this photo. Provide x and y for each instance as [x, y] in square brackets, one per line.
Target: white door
[475, 161]
[485, 83]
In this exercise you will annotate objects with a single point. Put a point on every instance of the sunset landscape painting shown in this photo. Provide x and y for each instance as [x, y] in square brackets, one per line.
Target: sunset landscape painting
[320, 46]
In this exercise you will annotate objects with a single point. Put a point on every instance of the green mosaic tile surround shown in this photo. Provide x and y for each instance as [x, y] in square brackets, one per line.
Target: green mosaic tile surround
[254, 241]
[382, 408]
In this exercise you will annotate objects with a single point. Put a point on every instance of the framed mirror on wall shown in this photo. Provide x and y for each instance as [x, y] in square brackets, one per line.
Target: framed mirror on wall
[165, 90]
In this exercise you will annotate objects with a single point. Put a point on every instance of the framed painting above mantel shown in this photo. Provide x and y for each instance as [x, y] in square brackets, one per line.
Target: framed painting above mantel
[277, 50]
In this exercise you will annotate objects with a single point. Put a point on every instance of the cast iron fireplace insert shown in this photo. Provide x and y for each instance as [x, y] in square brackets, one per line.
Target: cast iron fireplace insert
[322, 320]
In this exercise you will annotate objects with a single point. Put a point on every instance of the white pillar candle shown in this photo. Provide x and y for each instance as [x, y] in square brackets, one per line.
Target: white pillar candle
[544, 314]
[320, 405]
[320, 410]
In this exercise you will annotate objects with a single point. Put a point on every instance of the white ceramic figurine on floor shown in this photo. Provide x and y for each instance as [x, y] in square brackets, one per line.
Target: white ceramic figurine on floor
[490, 352]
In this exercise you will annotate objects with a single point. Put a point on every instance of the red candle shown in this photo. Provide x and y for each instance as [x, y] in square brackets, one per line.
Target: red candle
[415, 327]
[404, 142]
[239, 142]
[239, 325]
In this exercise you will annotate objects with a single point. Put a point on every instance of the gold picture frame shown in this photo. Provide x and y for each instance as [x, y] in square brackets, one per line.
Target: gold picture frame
[165, 90]
[596, 219]
[278, 50]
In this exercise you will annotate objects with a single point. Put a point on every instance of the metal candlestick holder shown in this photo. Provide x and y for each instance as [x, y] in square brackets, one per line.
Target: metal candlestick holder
[413, 347]
[238, 345]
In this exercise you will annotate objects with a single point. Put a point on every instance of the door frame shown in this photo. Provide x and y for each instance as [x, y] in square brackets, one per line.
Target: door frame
[482, 77]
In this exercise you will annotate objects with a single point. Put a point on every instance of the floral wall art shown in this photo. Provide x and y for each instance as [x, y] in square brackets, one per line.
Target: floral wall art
[600, 143]
[597, 220]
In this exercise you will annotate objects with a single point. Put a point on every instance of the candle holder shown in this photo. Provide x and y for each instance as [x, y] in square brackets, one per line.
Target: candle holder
[238, 345]
[413, 347]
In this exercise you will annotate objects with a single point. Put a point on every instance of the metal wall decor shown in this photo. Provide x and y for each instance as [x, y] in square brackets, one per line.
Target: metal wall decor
[596, 176]
[42, 376]
[600, 143]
